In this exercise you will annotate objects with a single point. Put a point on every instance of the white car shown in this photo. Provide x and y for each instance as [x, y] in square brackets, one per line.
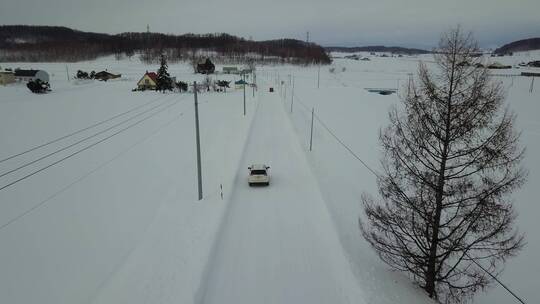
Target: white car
[258, 175]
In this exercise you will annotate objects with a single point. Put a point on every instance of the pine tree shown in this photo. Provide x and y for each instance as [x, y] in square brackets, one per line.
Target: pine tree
[451, 163]
[164, 81]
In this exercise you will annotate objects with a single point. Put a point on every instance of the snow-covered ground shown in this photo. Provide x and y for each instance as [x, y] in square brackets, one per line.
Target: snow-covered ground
[355, 116]
[119, 222]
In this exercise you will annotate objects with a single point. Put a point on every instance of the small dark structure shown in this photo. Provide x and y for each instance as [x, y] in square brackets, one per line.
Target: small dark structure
[498, 66]
[206, 68]
[182, 86]
[223, 85]
[271, 90]
[38, 87]
[534, 64]
[530, 74]
[104, 76]
[82, 75]
[382, 91]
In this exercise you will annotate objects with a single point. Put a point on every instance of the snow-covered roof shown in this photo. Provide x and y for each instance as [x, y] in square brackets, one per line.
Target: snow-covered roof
[152, 75]
[26, 73]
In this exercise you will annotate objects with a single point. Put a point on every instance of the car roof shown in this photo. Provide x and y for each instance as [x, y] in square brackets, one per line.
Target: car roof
[258, 167]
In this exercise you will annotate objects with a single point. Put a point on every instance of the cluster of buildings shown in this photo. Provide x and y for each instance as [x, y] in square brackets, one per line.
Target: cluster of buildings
[19, 75]
[149, 80]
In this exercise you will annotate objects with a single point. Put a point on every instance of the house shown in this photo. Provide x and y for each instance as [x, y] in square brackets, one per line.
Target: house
[31, 75]
[147, 82]
[104, 76]
[230, 70]
[6, 77]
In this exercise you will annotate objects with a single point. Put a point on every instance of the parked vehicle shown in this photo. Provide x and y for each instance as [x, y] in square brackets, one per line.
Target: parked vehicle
[258, 175]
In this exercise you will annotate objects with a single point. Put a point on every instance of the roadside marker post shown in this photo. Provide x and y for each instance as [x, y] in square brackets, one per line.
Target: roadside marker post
[311, 136]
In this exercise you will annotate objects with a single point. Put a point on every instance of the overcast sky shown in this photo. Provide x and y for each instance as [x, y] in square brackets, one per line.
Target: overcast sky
[330, 22]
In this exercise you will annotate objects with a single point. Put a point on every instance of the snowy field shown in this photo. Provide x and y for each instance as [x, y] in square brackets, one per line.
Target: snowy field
[108, 213]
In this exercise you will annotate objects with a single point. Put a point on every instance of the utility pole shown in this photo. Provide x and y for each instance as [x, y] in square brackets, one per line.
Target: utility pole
[319, 76]
[199, 174]
[67, 72]
[292, 95]
[307, 37]
[244, 85]
[311, 136]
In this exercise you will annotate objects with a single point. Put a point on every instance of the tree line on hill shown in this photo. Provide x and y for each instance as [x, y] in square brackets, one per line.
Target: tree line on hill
[377, 48]
[519, 46]
[51, 43]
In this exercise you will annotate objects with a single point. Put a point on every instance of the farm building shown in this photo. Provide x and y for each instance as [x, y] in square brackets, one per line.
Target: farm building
[31, 75]
[206, 68]
[148, 81]
[230, 70]
[104, 76]
[6, 77]
[498, 66]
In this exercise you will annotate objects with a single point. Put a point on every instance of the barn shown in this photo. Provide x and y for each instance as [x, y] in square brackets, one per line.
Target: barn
[31, 75]
[104, 76]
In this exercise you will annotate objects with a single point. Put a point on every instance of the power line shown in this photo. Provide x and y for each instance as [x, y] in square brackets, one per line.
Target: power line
[341, 142]
[86, 148]
[79, 141]
[42, 203]
[78, 131]
[497, 280]
[377, 176]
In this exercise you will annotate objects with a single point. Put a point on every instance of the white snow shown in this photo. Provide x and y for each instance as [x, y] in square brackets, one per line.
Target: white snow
[120, 222]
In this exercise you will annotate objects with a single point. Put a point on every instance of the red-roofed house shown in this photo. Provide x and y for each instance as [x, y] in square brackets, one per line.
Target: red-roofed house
[148, 81]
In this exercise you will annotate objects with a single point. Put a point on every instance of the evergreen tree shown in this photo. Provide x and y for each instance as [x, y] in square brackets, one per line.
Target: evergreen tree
[451, 163]
[164, 81]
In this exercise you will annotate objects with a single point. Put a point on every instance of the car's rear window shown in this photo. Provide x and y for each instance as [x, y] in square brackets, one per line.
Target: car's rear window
[258, 172]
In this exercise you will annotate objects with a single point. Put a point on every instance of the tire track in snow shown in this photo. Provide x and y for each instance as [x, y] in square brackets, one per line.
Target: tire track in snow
[277, 244]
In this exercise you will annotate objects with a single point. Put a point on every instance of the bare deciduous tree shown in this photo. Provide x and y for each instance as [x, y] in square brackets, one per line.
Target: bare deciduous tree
[451, 163]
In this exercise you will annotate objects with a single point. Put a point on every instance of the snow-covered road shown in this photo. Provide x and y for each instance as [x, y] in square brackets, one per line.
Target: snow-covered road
[277, 244]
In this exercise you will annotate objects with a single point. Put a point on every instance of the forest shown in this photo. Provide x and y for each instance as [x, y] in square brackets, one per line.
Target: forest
[59, 44]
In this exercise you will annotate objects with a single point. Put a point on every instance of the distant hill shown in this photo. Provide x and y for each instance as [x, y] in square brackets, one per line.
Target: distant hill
[519, 46]
[54, 43]
[377, 48]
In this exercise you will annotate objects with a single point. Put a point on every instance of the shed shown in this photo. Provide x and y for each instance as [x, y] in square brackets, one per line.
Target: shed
[498, 66]
[104, 76]
[6, 77]
[148, 81]
[230, 70]
[31, 75]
